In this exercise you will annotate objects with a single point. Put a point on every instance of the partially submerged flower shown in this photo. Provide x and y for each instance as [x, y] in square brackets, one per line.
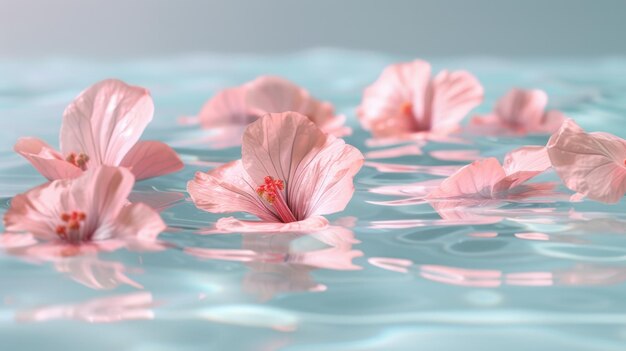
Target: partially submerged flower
[487, 179]
[592, 164]
[92, 207]
[102, 126]
[242, 105]
[405, 100]
[290, 174]
[519, 112]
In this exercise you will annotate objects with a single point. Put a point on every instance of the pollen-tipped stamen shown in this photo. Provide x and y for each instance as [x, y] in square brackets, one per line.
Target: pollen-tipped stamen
[71, 224]
[271, 191]
[79, 160]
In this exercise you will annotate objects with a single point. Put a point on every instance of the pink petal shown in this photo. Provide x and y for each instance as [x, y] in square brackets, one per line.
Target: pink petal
[274, 94]
[148, 159]
[101, 193]
[45, 159]
[317, 168]
[38, 211]
[227, 108]
[474, 180]
[139, 221]
[522, 109]
[592, 164]
[105, 121]
[525, 163]
[452, 96]
[381, 109]
[227, 189]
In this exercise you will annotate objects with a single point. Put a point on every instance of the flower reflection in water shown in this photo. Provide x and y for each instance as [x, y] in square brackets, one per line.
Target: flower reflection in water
[283, 262]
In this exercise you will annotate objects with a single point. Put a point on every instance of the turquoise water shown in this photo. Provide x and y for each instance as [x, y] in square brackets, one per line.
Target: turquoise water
[545, 274]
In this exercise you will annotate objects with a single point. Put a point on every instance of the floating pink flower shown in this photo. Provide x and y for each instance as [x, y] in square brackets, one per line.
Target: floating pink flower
[102, 126]
[290, 174]
[519, 112]
[592, 164]
[405, 100]
[487, 179]
[242, 105]
[92, 207]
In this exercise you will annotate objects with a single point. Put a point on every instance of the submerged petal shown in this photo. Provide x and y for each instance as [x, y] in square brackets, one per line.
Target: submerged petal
[592, 164]
[105, 121]
[148, 159]
[46, 160]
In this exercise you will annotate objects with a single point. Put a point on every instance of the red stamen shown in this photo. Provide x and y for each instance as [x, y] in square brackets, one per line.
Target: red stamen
[407, 109]
[79, 160]
[271, 191]
[72, 222]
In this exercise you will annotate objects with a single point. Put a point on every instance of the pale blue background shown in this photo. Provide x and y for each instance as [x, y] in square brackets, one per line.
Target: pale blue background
[422, 28]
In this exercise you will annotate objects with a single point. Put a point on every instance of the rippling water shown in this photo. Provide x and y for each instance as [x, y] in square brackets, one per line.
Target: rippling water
[539, 274]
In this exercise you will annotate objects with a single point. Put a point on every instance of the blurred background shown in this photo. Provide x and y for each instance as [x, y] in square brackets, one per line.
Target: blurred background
[136, 28]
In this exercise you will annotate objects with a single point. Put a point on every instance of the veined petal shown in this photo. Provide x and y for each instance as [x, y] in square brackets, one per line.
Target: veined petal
[450, 97]
[389, 103]
[228, 189]
[592, 164]
[101, 193]
[45, 159]
[226, 108]
[149, 159]
[138, 221]
[105, 121]
[317, 169]
[475, 180]
[525, 163]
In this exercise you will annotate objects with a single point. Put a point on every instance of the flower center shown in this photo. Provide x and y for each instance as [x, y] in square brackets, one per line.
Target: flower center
[79, 160]
[271, 192]
[71, 223]
[407, 109]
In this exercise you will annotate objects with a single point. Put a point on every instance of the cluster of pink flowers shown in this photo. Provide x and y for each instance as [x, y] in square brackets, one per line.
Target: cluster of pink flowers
[294, 166]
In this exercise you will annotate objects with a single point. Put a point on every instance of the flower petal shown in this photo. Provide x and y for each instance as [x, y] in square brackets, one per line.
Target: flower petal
[522, 109]
[228, 189]
[102, 193]
[139, 221]
[45, 159]
[525, 163]
[228, 107]
[149, 159]
[381, 109]
[475, 180]
[592, 164]
[317, 168]
[452, 96]
[38, 211]
[105, 121]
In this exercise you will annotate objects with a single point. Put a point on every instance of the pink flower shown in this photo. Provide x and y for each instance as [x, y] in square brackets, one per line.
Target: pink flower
[242, 105]
[92, 207]
[102, 126]
[592, 164]
[487, 179]
[406, 100]
[519, 112]
[290, 174]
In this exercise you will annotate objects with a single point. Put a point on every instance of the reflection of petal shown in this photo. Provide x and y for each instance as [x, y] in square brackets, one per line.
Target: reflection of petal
[392, 264]
[281, 262]
[406, 150]
[231, 224]
[95, 273]
[400, 168]
[455, 155]
[461, 276]
[136, 306]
